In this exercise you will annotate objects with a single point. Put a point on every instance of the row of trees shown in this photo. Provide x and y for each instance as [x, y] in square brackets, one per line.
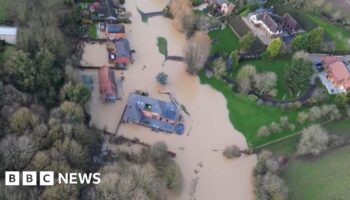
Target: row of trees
[198, 45]
[34, 139]
[276, 127]
[309, 42]
[138, 175]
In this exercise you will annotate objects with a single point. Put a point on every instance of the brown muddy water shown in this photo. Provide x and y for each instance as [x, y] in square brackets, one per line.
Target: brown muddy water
[208, 129]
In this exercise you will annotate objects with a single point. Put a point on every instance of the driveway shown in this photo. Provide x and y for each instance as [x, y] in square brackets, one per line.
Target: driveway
[328, 84]
[257, 31]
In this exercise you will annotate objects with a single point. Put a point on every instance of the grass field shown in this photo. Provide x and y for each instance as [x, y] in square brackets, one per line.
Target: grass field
[247, 116]
[224, 41]
[324, 178]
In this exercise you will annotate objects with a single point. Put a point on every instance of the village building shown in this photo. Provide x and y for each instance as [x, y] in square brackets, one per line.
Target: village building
[265, 21]
[122, 54]
[115, 31]
[156, 114]
[290, 24]
[337, 72]
[108, 87]
[8, 34]
[225, 6]
[105, 10]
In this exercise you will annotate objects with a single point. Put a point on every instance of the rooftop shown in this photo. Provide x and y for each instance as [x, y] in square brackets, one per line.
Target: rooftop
[115, 28]
[8, 30]
[151, 112]
[269, 22]
[123, 48]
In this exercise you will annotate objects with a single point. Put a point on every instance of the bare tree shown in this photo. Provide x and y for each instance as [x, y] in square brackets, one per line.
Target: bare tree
[197, 52]
[246, 77]
[219, 67]
[265, 82]
[314, 140]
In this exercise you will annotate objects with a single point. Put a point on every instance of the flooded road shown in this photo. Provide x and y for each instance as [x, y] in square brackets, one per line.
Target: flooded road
[207, 174]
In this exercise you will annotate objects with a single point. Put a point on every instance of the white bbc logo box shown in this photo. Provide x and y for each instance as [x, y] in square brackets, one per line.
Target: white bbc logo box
[29, 178]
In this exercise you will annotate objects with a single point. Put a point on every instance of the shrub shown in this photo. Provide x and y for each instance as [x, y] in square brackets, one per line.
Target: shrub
[302, 117]
[275, 127]
[22, 119]
[17, 152]
[263, 131]
[162, 78]
[159, 154]
[315, 113]
[232, 152]
[172, 176]
[77, 93]
[284, 121]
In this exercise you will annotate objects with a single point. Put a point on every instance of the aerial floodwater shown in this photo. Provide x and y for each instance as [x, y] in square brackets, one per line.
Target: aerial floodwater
[207, 173]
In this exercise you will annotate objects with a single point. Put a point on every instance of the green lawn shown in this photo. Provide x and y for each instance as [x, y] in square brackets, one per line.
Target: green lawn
[92, 31]
[338, 34]
[224, 41]
[247, 116]
[324, 178]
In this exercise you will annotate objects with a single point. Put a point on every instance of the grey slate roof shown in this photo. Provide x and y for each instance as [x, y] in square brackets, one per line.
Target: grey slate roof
[137, 103]
[123, 48]
[289, 21]
[115, 28]
[267, 19]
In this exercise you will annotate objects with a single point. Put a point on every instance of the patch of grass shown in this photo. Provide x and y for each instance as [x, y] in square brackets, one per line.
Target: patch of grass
[246, 116]
[339, 127]
[92, 31]
[338, 34]
[224, 41]
[162, 46]
[323, 178]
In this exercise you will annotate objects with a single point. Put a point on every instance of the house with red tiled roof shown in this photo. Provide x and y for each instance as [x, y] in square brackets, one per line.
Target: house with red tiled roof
[107, 83]
[337, 72]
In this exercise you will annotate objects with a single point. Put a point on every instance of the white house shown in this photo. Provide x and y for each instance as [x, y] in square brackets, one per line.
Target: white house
[9, 34]
[265, 21]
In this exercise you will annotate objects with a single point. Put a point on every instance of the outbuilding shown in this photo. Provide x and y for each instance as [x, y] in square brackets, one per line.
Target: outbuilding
[115, 31]
[8, 34]
[108, 87]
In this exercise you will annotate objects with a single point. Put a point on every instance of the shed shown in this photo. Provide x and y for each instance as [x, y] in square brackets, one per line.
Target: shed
[115, 31]
[108, 87]
[122, 55]
[8, 34]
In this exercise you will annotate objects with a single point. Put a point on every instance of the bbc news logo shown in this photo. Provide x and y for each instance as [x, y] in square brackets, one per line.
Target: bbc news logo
[47, 178]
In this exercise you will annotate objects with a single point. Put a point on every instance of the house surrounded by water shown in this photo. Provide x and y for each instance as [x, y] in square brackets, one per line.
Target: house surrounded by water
[156, 114]
[107, 83]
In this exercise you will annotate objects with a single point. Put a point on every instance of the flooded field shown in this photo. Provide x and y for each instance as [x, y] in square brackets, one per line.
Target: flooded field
[207, 174]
